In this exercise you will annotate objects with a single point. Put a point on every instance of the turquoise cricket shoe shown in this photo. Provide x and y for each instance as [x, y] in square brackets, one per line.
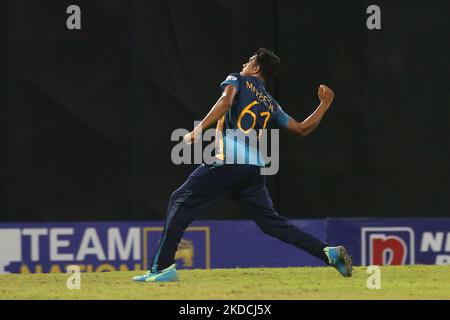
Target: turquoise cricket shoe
[340, 259]
[167, 275]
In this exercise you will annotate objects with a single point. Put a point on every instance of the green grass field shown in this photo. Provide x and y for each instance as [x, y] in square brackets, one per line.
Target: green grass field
[406, 282]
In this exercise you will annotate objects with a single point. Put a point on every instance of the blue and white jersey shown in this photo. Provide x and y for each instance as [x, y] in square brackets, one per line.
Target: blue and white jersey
[253, 108]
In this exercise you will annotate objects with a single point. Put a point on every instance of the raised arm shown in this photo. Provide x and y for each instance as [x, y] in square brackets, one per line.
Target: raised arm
[326, 96]
[222, 105]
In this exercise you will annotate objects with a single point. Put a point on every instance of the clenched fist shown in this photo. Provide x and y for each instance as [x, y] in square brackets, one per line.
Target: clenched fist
[325, 94]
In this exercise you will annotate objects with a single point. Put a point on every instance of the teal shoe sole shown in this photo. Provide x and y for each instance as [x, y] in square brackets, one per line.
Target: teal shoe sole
[167, 275]
[348, 264]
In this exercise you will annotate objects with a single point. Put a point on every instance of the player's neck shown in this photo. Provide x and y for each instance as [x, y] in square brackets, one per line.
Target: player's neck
[260, 78]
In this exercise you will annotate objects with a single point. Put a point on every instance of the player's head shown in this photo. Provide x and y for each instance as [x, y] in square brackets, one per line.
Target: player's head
[263, 63]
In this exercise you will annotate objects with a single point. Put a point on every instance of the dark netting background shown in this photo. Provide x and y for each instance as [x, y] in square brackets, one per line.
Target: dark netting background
[87, 115]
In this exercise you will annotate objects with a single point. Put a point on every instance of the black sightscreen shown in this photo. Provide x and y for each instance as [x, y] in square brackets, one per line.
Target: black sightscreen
[86, 115]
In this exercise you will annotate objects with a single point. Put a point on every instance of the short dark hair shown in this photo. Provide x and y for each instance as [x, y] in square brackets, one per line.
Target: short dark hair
[268, 62]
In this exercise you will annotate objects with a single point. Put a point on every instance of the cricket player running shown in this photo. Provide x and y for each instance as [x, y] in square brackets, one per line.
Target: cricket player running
[244, 104]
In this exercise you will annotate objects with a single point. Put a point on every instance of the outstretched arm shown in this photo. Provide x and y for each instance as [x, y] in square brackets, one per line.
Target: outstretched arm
[222, 105]
[326, 96]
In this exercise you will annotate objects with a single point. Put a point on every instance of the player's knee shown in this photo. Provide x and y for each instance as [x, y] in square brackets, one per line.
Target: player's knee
[178, 197]
[174, 196]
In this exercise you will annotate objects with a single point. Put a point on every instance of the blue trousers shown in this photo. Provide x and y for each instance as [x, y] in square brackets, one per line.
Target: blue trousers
[246, 186]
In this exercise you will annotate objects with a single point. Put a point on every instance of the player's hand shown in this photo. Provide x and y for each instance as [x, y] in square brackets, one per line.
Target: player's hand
[325, 94]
